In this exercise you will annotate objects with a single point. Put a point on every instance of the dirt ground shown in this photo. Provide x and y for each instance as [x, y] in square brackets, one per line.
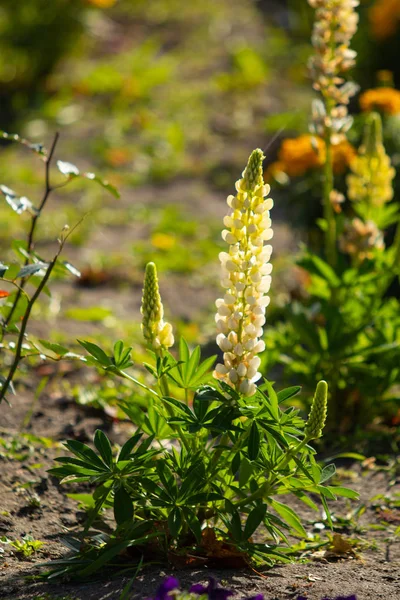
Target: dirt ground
[371, 569]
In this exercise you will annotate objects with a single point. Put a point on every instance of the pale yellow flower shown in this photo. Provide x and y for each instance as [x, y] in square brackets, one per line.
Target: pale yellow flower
[246, 277]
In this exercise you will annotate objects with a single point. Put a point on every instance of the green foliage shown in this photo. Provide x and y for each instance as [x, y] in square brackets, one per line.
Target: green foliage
[31, 271]
[24, 547]
[226, 463]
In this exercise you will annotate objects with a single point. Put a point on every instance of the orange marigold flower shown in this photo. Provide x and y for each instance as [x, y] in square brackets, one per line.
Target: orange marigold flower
[298, 155]
[384, 17]
[102, 3]
[342, 155]
[384, 99]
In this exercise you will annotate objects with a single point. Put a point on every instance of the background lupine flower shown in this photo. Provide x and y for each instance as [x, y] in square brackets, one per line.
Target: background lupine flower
[372, 173]
[156, 331]
[335, 24]
[317, 416]
[360, 239]
[246, 277]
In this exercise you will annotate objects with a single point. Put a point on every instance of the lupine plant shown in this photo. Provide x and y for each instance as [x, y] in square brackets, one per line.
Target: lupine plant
[25, 279]
[346, 326]
[202, 479]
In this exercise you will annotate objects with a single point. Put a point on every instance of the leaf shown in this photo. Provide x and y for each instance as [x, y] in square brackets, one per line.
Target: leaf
[67, 168]
[14, 137]
[253, 444]
[85, 453]
[193, 523]
[254, 519]
[56, 348]
[123, 507]
[105, 184]
[71, 171]
[174, 522]
[327, 473]
[288, 393]
[103, 445]
[73, 270]
[96, 351]
[339, 490]
[314, 264]
[19, 204]
[31, 269]
[127, 448]
[273, 399]
[289, 516]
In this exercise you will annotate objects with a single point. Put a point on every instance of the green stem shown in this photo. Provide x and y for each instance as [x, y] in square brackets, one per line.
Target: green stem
[329, 215]
[21, 336]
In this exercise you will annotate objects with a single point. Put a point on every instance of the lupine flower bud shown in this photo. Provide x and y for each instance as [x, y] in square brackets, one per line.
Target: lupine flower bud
[317, 416]
[156, 331]
[372, 174]
[246, 277]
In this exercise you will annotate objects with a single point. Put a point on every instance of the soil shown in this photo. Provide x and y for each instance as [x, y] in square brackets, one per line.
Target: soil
[372, 570]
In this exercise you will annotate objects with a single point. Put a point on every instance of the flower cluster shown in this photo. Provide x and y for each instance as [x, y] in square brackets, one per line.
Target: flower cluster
[169, 590]
[155, 330]
[371, 175]
[299, 155]
[384, 17]
[246, 277]
[335, 24]
[360, 239]
[384, 99]
[198, 591]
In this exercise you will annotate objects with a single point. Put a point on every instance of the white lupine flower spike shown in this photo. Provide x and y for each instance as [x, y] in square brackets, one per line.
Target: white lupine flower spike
[246, 276]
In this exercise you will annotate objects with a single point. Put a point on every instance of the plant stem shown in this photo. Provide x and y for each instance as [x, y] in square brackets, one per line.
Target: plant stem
[30, 241]
[18, 350]
[330, 233]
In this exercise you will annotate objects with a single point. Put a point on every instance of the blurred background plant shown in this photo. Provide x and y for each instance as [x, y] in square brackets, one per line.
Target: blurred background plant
[166, 99]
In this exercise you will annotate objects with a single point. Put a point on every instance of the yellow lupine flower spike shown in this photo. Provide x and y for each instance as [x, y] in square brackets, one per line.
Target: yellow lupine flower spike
[372, 174]
[157, 333]
[246, 277]
[318, 412]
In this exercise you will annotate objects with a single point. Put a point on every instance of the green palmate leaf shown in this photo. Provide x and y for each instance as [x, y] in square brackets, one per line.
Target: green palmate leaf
[314, 264]
[253, 444]
[273, 402]
[193, 523]
[175, 522]
[103, 445]
[96, 352]
[123, 507]
[127, 448]
[288, 393]
[289, 516]
[85, 453]
[254, 520]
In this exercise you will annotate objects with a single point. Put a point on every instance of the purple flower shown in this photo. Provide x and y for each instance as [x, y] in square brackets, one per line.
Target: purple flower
[258, 597]
[352, 597]
[167, 586]
[212, 589]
